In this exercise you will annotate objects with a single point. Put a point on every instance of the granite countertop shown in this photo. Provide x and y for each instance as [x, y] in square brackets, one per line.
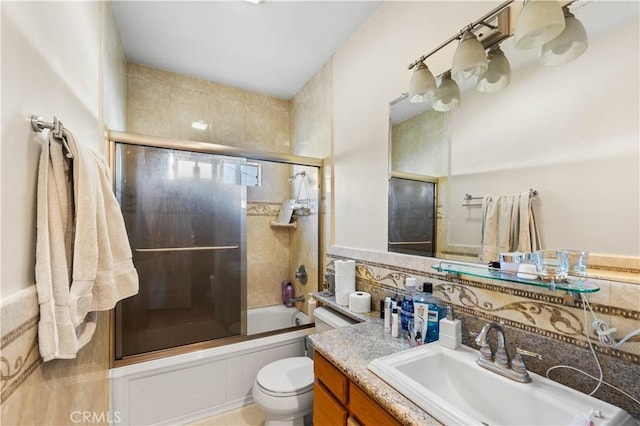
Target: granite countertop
[351, 348]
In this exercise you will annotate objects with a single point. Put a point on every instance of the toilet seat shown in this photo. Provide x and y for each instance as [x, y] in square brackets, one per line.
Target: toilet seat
[286, 377]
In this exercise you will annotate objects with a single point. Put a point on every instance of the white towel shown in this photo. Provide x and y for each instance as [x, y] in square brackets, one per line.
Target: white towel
[508, 225]
[83, 257]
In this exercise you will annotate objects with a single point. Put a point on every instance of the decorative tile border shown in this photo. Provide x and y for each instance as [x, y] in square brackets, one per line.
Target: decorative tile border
[22, 359]
[263, 208]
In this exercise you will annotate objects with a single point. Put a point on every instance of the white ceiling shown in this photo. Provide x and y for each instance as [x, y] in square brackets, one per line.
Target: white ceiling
[272, 48]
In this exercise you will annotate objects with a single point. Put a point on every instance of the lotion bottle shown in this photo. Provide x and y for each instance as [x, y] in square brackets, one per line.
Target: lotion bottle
[311, 307]
[450, 331]
[387, 315]
[394, 323]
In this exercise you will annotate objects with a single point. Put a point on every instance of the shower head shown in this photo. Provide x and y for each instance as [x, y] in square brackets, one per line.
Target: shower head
[293, 178]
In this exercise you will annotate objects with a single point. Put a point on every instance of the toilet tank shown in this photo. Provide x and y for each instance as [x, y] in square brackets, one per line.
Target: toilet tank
[327, 319]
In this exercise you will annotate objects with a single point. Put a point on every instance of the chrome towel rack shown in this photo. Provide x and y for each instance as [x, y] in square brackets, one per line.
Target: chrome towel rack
[468, 197]
[38, 125]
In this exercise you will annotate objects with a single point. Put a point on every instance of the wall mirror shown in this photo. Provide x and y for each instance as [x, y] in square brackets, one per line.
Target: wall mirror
[570, 132]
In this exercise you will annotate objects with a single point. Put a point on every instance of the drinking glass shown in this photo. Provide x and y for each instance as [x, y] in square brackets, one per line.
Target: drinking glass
[552, 265]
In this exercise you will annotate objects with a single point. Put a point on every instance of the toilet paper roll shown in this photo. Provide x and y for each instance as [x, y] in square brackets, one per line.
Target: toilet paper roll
[360, 302]
[345, 280]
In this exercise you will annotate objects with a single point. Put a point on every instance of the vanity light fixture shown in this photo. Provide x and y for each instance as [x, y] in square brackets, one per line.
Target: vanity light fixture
[539, 22]
[447, 96]
[498, 75]
[570, 44]
[422, 84]
[470, 59]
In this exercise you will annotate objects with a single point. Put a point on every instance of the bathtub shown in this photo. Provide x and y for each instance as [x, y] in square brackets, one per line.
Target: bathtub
[276, 317]
[188, 387]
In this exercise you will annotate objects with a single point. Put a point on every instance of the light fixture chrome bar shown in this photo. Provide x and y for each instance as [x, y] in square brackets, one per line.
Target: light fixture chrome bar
[456, 36]
[173, 249]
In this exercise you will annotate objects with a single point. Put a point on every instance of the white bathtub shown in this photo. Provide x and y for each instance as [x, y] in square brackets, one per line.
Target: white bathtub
[188, 387]
[276, 317]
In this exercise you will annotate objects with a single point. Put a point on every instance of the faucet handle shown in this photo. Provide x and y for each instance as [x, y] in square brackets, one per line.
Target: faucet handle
[517, 363]
[528, 353]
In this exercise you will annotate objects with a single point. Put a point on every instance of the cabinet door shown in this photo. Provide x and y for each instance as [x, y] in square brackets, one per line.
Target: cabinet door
[327, 411]
[366, 411]
[336, 382]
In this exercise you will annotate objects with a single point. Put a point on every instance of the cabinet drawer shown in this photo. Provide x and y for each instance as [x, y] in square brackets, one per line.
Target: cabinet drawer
[366, 410]
[327, 411]
[336, 382]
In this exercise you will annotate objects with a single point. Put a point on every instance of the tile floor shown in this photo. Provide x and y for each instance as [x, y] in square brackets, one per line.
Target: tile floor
[249, 415]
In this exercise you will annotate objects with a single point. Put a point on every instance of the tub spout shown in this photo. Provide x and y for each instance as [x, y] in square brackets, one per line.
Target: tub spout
[296, 299]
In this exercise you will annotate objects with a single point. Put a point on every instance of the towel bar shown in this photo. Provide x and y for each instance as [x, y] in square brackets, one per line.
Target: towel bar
[38, 125]
[195, 248]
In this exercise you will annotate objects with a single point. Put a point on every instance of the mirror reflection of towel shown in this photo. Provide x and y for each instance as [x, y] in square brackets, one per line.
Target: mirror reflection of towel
[508, 224]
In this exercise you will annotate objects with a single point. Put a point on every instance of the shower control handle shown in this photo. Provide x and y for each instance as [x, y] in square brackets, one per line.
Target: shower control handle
[301, 274]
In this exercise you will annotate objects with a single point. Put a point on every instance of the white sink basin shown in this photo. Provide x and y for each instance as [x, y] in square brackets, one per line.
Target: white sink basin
[450, 386]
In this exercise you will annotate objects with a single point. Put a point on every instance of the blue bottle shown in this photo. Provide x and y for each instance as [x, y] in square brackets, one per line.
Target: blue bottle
[406, 312]
[434, 314]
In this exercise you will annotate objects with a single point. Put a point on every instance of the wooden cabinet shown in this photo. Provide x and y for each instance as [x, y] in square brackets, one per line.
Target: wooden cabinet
[338, 401]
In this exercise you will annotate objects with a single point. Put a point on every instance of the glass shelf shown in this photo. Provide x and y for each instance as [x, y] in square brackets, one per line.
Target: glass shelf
[572, 284]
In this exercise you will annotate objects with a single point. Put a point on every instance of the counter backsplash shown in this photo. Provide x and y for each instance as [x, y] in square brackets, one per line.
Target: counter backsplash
[536, 319]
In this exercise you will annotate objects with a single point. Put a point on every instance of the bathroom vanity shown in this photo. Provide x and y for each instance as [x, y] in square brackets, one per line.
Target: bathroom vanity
[345, 389]
[348, 392]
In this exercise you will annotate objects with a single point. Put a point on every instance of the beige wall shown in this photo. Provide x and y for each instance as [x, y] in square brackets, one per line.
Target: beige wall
[420, 145]
[311, 110]
[56, 58]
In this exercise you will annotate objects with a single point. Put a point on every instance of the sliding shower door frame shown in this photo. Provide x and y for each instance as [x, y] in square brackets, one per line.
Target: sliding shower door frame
[216, 149]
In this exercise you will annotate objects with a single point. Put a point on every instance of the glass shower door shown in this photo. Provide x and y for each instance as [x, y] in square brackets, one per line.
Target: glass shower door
[412, 217]
[185, 214]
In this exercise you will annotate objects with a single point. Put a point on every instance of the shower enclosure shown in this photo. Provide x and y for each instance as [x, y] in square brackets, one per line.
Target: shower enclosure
[412, 217]
[185, 206]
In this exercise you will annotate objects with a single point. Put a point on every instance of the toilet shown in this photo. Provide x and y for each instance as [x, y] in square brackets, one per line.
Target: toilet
[284, 389]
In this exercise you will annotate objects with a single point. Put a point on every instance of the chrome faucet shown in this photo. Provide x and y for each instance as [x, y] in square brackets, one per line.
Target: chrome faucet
[499, 362]
[297, 299]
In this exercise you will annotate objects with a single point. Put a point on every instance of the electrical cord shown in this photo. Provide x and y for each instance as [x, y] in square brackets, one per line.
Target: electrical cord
[627, 337]
[594, 378]
[606, 335]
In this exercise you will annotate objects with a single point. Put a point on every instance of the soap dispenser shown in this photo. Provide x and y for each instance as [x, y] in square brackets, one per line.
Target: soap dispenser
[450, 331]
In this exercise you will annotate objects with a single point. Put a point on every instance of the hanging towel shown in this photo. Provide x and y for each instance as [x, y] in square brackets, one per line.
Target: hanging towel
[508, 224]
[83, 257]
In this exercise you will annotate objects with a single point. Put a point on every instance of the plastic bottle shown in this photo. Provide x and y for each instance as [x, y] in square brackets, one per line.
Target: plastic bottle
[394, 323]
[288, 295]
[284, 287]
[406, 312]
[387, 315]
[420, 315]
[311, 307]
[434, 314]
[450, 331]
